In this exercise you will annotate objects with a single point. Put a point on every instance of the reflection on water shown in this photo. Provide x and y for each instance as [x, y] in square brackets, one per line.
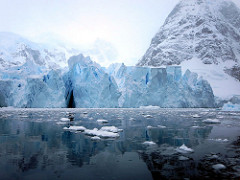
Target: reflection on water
[33, 144]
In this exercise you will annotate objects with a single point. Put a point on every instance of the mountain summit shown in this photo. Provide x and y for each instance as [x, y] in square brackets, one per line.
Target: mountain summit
[206, 31]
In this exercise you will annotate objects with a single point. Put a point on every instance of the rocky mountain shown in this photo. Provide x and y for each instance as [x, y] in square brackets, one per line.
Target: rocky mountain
[199, 35]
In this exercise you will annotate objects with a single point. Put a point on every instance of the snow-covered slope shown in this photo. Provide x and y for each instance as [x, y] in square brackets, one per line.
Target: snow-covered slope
[203, 36]
[17, 51]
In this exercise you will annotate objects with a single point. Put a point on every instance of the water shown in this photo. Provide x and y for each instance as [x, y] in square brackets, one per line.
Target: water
[33, 144]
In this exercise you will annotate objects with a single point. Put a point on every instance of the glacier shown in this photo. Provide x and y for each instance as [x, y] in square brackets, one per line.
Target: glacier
[85, 84]
[163, 87]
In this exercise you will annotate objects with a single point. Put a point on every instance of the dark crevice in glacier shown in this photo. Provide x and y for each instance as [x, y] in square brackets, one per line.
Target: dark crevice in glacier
[70, 100]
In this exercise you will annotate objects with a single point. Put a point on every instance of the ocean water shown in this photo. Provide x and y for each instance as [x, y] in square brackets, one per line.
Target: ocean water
[153, 144]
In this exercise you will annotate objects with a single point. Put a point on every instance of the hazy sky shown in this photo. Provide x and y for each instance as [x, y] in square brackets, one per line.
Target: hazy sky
[128, 24]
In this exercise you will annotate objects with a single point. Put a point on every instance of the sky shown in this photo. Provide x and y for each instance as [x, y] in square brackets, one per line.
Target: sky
[129, 25]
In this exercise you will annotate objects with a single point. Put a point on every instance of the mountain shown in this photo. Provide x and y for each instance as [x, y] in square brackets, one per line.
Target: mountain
[203, 36]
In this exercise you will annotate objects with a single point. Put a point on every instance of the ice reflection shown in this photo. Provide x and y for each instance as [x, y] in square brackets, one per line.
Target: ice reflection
[33, 140]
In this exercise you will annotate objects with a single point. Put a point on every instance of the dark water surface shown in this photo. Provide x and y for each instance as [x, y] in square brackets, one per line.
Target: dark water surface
[33, 144]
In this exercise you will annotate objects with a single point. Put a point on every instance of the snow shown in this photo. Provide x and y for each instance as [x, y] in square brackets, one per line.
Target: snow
[231, 107]
[215, 75]
[149, 143]
[75, 128]
[184, 149]
[101, 133]
[211, 121]
[218, 167]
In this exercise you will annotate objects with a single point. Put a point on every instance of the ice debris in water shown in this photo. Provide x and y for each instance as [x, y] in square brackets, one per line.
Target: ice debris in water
[184, 149]
[211, 121]
[101, 133]
[219, 140]
[149, 107]
[149, 143]
[102, 121]
[75, 128]
[111, 129]
[160, 126]
[148, 116]
[196, 116]
[64, 119]
[95, 138]
[218, 166]
[183, 158]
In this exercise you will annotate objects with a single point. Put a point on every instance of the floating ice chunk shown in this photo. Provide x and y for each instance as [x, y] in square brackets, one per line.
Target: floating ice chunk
[100, 133]
[184, 149]
[218, 167]
[195, 127]
[148, 116]
[110, 129]
[75, 128]
[196, 116]
[85, 112]
[162, 127]
[64, 119]
[149, 107]
[150, 127]
[149, 143]
[131, 119]
[183, 158]
[211, 121]
[219, 140]
[95, 138]
[102, 121]
[61, 123]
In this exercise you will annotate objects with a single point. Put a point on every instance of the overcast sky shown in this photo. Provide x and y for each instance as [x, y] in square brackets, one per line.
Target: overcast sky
[128, 24]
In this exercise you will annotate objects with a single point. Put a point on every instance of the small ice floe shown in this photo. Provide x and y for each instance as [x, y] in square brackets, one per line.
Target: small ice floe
[218, 167]
[95, 138]
[196, 116]
[101, 133]
[75, 128]
[111, 129]
[64, 119]
[148, 116]
[183, 158]
[211, 121]
[61, 123]
[85, 112]
[149, 107]
[131, 119]
[195, 127]
[150, 127]
[162, 127]
[184, 149]
[219, 140]
[149, 143]
[102, 121]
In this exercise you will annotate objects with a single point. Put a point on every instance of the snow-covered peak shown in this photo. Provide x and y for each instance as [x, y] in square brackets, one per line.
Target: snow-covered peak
[206, 31]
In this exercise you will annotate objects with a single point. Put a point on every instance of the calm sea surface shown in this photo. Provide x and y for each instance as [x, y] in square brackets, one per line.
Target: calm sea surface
[34, 145]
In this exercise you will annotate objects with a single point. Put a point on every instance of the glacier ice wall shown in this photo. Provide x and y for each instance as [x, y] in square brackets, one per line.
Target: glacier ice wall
[88, 85]
[164, 87]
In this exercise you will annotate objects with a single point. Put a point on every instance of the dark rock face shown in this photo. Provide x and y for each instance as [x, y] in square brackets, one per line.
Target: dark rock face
[205, 29]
